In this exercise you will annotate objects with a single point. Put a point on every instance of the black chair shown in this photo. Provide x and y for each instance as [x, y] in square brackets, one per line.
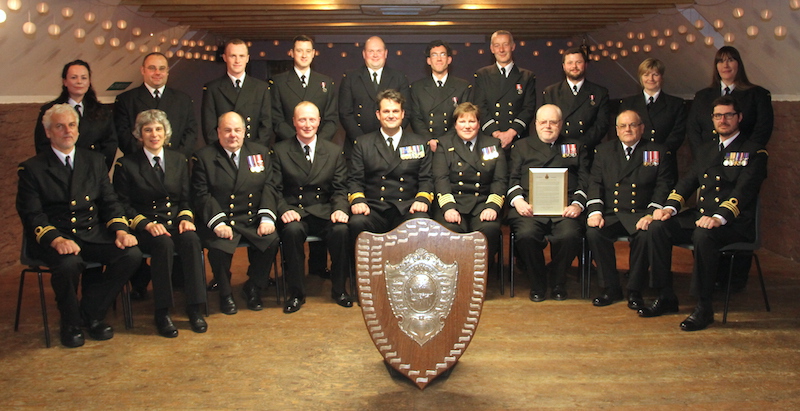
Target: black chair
[33, 265]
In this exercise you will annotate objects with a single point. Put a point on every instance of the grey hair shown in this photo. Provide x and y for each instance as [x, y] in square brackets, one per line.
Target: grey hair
[65, 108]
[152, 116]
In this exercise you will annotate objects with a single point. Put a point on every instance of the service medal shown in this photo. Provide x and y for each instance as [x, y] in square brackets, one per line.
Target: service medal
[256, 163]
[519, 88]
[490, 153]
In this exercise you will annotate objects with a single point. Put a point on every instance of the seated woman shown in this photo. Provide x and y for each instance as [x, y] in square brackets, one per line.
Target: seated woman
[153, 185]
[470, 177]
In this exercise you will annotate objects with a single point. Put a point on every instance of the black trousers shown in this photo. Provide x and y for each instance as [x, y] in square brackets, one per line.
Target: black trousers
[293, 237]
[601, 242]
[257, 271]
[470, 223]
[99, 288]
[379, 222]
[162, 251]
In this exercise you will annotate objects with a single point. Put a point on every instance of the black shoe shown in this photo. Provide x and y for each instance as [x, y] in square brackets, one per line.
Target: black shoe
[165, 326]
[342, 299]
[99, 330]
[71, 336]
[294, 304]
[138, 294]
[609, 297]
[213, 285]
[226, 305]
[635, 300]
[538, 296]
[698, 320]
[323, 273]
[660, 307]
[253, 296]
[196, 320]
[559, 293]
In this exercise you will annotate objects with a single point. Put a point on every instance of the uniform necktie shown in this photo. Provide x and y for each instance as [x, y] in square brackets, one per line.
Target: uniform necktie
[238, 85]
[307, 150]
[649, 102]
[78, 109]
[390, 142]
[68, 164]
[157, 97]
[303, 80]
[727, 91]
[721, 147]
[157, 167]
[575, 90]
[233, 159]
[628, 151]
[503, 72]
[469, 145]
[440, 83]
[375, 80]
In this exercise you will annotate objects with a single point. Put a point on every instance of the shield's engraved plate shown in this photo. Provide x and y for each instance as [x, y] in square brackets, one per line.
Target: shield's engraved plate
[421, 291]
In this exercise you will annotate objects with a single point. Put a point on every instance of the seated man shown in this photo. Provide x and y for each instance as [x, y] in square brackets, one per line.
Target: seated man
[548, 150]
[234, 199]
[71, 215]
[390, 172]
[728, 173]
[630, 179]
[310, 178]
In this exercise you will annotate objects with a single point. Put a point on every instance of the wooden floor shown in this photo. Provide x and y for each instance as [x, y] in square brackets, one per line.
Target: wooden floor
[525, 355]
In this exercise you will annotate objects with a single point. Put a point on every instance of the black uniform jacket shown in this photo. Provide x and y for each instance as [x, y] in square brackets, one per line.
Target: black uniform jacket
[358, 99]
[432, 107]
[586, 115]
[665, 120]
[286, 92]
[252, 103]
[505, 103]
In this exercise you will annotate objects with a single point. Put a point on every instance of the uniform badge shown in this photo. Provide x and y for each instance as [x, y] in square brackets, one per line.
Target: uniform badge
[651, 158]
[519, 88]
[256, 163]
[490, 153]
[569, 150]
[414, 152]
[591, 99]
[736, 159]
[455, 101]
[324, 87]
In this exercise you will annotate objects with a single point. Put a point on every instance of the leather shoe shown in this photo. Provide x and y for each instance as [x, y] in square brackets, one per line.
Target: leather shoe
[165, 326]
[226, 305]
[71, 336]
[342, 299]
[294, 304]
[196, 320]
[99, 330]
[538, 296]
[635, 300]
[213, 285]
[608, 298]
[253, 296]
[138, 294]
[559, 293]
[698, 320]
[660, 307]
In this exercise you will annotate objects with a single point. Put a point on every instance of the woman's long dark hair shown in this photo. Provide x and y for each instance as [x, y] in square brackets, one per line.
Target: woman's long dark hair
[90, 101]
[741, 81]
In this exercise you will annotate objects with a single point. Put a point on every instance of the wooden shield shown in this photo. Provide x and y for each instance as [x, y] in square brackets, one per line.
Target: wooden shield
[422, 288]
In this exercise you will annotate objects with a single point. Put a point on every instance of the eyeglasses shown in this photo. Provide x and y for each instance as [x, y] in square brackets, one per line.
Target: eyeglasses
[631, 125]
[551, 123]
[728, 116]
[442, 54]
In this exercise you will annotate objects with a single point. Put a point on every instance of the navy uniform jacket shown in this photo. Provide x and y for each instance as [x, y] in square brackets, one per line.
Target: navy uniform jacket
[96, 130]
[629, 189]
[176, 104]
[383, 178]
[252, 103]
[317, 188]
[665, 120]
[565, 153]
[432, 107]
[757, 116]
[239, 198]
[286, 92]
[586, 116]
[51, 206]
[358, 99]
[728, 185]
[505, 103]
[470, 181]
[146, 198]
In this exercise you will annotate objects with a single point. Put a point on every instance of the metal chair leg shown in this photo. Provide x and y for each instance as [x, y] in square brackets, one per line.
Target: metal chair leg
[511, 265]
[761, 280]
[44, 311]
[500, 268]
[19, 299]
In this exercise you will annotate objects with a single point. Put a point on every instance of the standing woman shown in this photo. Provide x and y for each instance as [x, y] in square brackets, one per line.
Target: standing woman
[470, 177]
[96, 128]
[754, 101]
[153, 185]
[663, 115]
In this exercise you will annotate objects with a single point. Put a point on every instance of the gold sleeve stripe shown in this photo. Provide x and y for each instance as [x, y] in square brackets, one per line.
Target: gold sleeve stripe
[20, 168]
[354, 196]
[427, 196]
[733, 205]
[446, 199]
[762, 151]
[136, 220]
[187, 213]
[122, 220]
[677, 197]
[496, 199]
[41, 231]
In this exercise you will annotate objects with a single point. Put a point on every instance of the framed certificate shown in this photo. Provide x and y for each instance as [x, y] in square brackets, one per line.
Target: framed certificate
[548, 191]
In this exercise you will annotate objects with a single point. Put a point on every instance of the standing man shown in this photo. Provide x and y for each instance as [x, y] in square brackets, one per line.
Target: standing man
[311, 175]
[235, 91]
[584, 104]
[234, 201]
[553, 151]
[728, 173]
[154, 94]
[288, 89]
[390, 173]
[71, 215]
[505, 93]
[358, 101]
[433, 99]
[630, 179]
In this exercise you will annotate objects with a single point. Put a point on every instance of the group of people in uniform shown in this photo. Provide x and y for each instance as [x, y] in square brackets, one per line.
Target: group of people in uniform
[269, 176]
